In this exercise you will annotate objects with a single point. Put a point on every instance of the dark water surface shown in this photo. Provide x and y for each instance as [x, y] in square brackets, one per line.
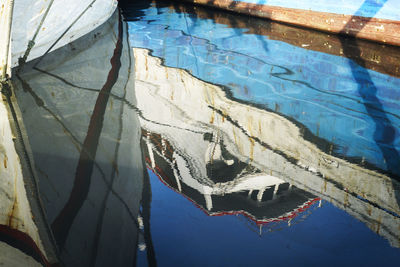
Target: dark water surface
[194, 137]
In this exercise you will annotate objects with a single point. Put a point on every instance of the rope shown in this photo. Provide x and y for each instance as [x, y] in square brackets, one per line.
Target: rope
[31, 43]
[65, 32]
[10, 8]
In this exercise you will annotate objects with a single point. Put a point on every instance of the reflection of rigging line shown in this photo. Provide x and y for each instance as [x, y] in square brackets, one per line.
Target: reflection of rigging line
[159, 144]
[310, 102]
[361, 112]
[41, 104]
[84, 169]
[122, 99]
[336, 94]
[146, 213]
[112, 178]
[187, 163]
[280, 74]
[36, 97]
[132, 106]
[191, 43]
[333, 103]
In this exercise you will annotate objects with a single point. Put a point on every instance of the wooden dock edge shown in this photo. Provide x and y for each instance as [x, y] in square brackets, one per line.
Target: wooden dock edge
[374, 29]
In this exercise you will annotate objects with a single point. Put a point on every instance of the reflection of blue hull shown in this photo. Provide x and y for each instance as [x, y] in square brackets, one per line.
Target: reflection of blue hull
[336, 99]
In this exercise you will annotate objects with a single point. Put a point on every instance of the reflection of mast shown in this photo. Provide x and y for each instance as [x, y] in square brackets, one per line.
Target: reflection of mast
[146, 207]
[267, 141]
[85, 146]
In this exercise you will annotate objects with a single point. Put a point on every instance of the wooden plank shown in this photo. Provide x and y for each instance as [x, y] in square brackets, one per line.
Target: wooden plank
[375, 29]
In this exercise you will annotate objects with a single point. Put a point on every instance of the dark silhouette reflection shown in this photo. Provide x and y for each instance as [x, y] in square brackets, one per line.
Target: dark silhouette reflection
[83, 134]
[224, 185]
[146, 208]
[372, 11]
[84, 170]
[385, 133]
[132, 10]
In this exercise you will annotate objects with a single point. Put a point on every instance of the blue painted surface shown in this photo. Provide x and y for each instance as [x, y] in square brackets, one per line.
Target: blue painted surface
[384, 9]
[333, 97]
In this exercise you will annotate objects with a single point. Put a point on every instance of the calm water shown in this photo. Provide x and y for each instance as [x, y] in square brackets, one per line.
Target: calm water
[266, 70]
[193, 137]
[343, 103]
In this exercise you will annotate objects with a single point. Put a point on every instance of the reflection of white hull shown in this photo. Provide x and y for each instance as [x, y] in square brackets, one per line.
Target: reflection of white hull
[260, 197]
[266, 140]
[74, 115]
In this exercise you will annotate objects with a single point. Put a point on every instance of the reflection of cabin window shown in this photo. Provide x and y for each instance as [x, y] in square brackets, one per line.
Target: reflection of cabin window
[253, 195]
[282, 188]
[268, 194]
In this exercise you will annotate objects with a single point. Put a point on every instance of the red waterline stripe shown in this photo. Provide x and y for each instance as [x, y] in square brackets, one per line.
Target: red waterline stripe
[80, 190]
[22, 242]
[158, 172]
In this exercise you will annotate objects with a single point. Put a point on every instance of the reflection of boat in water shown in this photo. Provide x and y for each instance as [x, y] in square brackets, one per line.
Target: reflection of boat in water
[263, 139]
[301, 83]
[81, 157]
[373, 20]
[221, 184]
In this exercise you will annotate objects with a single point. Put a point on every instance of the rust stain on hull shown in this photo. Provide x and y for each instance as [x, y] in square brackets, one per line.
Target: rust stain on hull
[11, 214]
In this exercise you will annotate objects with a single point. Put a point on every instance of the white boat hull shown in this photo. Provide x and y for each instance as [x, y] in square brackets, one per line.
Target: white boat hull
[52, 24]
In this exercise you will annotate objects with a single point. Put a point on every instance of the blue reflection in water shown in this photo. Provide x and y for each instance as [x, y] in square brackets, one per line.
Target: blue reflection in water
[315, 89]
[320, 92]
